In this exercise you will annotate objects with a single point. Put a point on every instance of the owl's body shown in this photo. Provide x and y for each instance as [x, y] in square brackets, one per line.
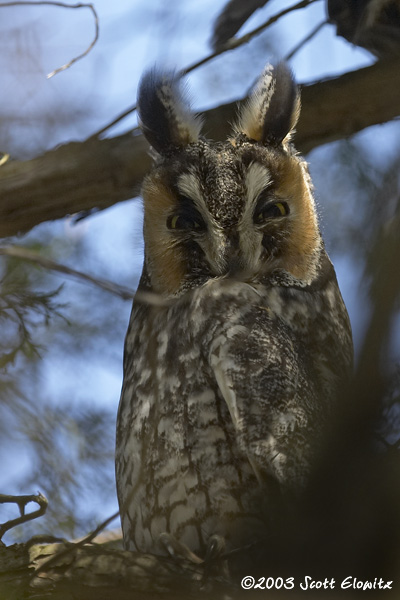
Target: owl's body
[239, 343]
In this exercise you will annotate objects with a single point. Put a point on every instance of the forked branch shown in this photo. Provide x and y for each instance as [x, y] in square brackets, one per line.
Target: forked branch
[21, 502]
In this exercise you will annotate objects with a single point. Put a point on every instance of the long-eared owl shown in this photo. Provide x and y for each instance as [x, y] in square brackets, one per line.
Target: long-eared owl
[239, 343]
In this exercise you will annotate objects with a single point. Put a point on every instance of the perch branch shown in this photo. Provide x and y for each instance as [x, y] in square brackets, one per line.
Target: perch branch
[71, 546]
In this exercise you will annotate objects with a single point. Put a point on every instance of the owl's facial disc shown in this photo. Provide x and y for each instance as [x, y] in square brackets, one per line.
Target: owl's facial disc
[228, 216]
[226, 210]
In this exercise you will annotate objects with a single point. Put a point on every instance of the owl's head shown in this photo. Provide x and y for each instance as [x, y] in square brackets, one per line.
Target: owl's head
[242, 208]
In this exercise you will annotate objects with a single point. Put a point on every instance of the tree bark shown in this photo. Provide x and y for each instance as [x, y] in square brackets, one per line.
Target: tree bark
[93, 572]
[96, 174]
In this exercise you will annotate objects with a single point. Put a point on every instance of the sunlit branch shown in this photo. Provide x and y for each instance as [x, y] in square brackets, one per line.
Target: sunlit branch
[63, 5]
[74, 546]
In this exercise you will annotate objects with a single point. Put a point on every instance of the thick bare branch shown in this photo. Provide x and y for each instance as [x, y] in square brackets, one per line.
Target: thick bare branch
[72, 547]
[73, 178]
[92, 571]
[99, 173]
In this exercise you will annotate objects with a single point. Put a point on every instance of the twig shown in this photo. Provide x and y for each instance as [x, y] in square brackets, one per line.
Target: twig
[22, 501]
[232, 44]
[123, 292]
[74, 546]
[90, 537]
[304, 41]
[63, 5]
[19, 252]
[117, 119]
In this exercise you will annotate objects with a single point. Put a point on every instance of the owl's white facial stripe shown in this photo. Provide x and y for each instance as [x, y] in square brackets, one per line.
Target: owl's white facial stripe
[258, 178]
[189, 185]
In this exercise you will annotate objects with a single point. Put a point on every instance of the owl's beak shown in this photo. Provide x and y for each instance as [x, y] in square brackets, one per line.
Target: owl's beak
[234, 266]
[232, 258]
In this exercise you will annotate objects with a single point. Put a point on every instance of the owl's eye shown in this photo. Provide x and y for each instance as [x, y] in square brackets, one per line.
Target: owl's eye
[182, 221]
[271, 211]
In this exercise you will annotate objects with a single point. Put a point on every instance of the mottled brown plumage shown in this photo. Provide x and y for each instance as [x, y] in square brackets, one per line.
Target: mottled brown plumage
[239, 343]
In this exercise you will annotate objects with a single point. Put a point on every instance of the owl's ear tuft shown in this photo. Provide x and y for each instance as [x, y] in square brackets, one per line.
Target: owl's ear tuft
[273, 108]
[164, 111]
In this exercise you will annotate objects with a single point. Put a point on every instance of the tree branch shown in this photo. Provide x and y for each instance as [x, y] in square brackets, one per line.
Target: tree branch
[95, 572]
[73, 178]
[234, 43]
[99, 173]
[306, 39]
[21, 502]
[231, 44]
[24, 254]
[71, 547]
[62, 5]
